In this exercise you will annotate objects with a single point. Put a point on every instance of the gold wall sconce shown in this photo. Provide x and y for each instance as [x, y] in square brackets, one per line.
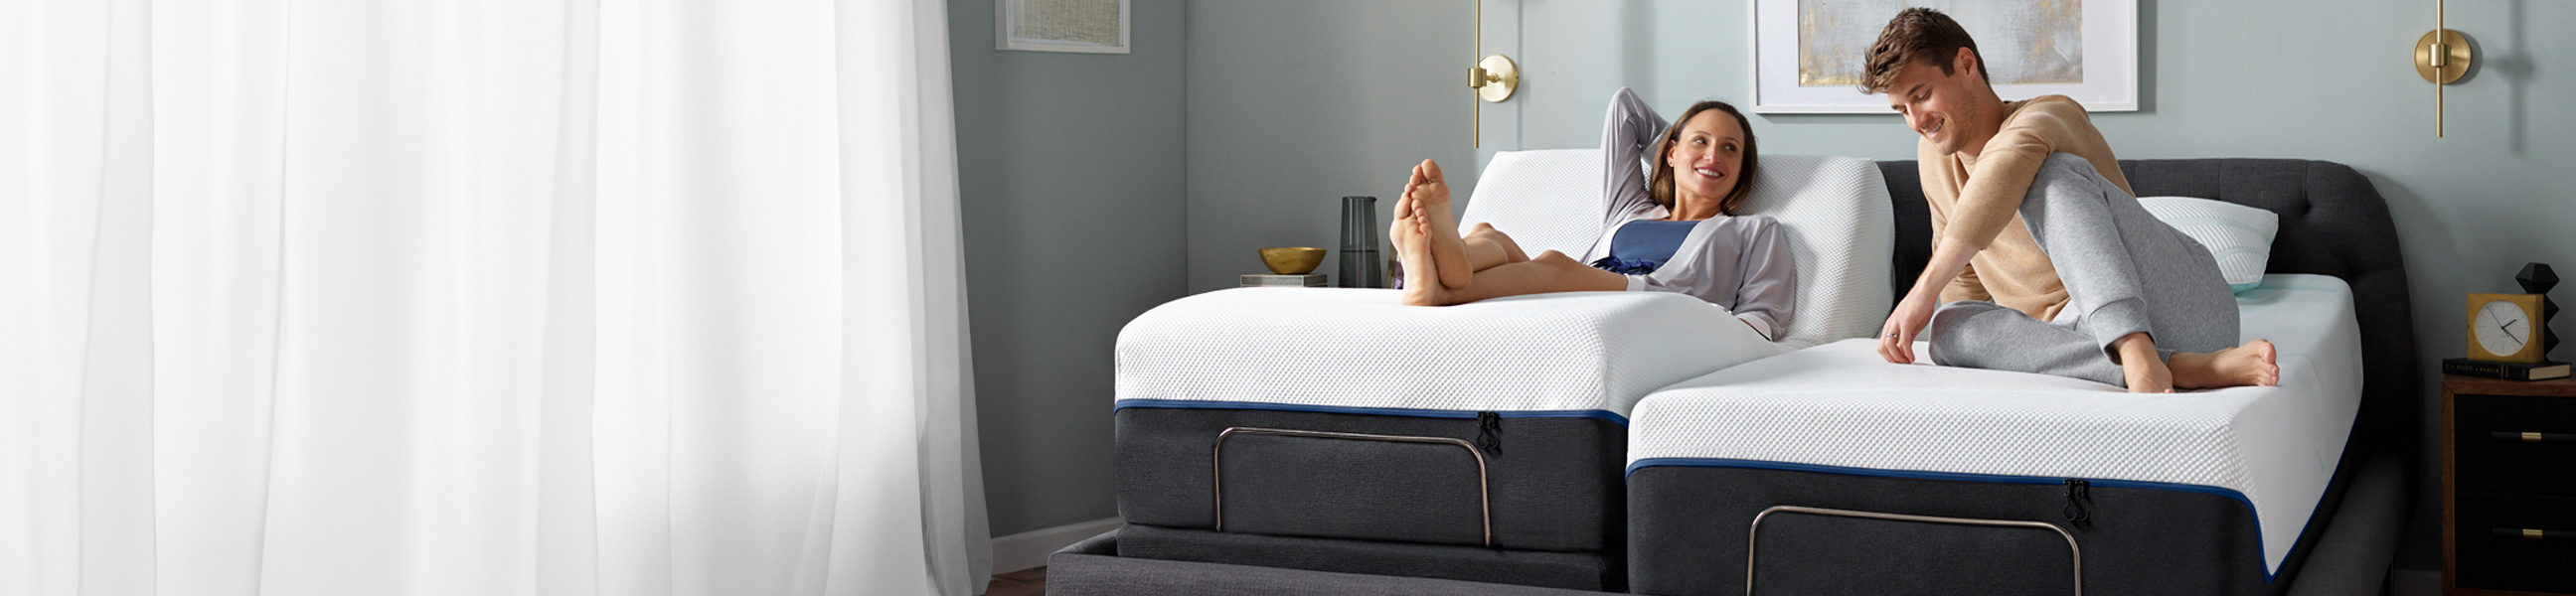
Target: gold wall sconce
[1493, 78]
[2442, 56]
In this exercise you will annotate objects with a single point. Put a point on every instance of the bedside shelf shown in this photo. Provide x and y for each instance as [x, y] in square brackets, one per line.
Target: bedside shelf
[2508, 486]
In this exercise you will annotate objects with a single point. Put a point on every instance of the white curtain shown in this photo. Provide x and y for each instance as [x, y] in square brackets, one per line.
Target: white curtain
[482, 297]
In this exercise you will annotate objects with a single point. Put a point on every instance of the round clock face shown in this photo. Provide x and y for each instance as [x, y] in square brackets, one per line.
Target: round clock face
[2502, 328]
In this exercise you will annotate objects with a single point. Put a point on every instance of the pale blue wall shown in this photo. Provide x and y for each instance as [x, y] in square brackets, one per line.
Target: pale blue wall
[1070, 179]
[1295, 104]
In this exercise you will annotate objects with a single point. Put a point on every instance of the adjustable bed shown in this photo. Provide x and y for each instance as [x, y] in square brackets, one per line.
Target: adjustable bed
[1336, 515]
[1336, 430]
[1831, 471]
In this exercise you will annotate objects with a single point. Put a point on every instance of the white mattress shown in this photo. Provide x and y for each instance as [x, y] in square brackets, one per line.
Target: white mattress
[1841, 408]
[1352, 350]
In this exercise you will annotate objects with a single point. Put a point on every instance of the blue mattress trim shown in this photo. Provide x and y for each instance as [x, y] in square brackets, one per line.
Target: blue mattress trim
[1186, 404]
[2270, 568]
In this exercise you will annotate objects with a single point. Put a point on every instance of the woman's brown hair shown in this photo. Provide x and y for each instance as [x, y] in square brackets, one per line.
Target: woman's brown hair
[1660, 184]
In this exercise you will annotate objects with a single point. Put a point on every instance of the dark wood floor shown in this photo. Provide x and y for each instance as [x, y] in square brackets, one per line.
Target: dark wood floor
[1026, 582]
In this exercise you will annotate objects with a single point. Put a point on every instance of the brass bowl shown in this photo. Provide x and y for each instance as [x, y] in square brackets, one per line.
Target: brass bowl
[1292, 260]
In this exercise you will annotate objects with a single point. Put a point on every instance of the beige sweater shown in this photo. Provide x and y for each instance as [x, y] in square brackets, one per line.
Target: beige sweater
[1977, 200]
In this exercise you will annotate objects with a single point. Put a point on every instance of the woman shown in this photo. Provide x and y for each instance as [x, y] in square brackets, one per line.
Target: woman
[1672, 231]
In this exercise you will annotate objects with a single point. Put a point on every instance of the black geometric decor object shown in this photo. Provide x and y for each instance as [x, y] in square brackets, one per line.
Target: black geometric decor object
[2536, 278]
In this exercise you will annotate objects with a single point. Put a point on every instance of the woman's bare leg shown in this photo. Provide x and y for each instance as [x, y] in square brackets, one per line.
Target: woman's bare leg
[1488, 248]
[1550, 271]
[2255, 364]
[1429, 193]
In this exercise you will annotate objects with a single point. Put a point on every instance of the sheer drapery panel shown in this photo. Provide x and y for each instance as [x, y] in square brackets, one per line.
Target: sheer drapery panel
[481, 297]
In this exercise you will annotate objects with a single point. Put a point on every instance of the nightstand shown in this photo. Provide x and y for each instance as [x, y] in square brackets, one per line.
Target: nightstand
[2508, 486]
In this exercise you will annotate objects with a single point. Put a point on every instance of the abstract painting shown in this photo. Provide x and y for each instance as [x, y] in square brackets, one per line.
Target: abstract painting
[1808, 53]
[1094, 26]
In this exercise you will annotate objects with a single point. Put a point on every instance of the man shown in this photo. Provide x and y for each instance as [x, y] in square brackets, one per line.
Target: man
[2041, 252]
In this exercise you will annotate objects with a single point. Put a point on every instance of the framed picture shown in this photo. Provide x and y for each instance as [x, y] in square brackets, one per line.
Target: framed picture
[1807, 54]
[1088, 26]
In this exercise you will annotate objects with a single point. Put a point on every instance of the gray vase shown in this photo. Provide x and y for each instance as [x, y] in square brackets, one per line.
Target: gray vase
[1361, 267]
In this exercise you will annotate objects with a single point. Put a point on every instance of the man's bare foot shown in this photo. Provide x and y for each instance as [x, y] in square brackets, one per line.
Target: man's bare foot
[2255, 364]
[1430, 195]
[1422, 286]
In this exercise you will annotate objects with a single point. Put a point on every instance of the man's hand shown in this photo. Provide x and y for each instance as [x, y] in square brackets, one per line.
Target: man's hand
[1896, 339]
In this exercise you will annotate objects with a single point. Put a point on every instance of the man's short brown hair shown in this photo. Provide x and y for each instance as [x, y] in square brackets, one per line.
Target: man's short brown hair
[1917, 35]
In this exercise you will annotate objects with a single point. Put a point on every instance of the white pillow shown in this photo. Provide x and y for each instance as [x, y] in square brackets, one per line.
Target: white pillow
[2239, 236]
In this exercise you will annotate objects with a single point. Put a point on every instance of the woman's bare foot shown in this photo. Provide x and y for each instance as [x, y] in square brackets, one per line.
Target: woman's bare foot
[1430, 195]
[2255, 364]
[1422, 286]
[1403, 224]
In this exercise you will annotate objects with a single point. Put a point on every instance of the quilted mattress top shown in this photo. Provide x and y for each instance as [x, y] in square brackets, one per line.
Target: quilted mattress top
[1357, 350]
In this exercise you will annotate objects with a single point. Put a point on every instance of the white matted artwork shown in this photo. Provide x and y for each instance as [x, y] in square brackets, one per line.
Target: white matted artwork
[1089, 26]
[1807, 53]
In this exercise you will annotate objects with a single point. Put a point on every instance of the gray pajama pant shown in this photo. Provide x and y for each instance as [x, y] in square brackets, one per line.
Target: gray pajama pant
[2125, 272]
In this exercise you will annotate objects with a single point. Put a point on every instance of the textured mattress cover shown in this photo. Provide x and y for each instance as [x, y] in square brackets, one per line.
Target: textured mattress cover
[1358, 351]
[1571, 354]
[1841, 408]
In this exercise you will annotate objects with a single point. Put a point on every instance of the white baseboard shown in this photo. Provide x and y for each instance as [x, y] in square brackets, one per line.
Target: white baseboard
[1029, 550]
[2414, 582]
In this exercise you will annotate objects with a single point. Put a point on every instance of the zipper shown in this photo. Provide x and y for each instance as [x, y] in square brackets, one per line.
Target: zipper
[1489, 432]
[2079, 501]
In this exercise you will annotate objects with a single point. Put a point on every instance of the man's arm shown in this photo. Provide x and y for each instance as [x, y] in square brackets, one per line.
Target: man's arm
[1948, 267]
[1965, 286]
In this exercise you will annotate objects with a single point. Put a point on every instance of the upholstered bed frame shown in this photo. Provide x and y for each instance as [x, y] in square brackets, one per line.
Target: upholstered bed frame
[2332, 222]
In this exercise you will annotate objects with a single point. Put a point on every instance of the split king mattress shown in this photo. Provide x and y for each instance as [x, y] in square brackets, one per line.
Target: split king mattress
[1305, 513]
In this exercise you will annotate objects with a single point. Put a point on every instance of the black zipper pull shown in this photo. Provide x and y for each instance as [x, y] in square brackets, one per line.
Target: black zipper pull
[2079, 501]
[1489, 432]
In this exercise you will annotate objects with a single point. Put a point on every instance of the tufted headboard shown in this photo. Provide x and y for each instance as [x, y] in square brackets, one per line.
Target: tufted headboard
[2333, 222]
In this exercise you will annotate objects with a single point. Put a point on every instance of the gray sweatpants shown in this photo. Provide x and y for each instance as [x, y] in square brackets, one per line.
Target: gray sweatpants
[2124, 271]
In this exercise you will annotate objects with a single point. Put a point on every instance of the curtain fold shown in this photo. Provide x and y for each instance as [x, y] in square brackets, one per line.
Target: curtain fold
[482, 297]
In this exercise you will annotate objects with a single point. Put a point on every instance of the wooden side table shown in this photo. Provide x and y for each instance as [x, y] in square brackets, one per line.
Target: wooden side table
[2508, 487]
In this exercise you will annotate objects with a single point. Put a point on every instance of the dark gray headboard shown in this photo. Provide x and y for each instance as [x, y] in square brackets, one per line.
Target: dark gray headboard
[2333, 222]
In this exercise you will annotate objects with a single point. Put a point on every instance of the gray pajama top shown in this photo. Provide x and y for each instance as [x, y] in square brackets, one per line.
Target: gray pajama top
[1739, 263]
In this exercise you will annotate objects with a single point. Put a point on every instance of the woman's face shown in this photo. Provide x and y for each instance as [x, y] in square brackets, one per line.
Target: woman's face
[1706, 157]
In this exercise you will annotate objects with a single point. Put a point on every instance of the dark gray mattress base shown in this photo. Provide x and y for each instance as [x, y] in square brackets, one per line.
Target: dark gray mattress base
[1552, 483]
[2350, 558]
[1094, 568]
[1692, 532]
[1574, 571]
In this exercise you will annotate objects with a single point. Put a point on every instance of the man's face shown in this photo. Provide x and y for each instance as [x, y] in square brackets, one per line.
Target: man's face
[1937, 105]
